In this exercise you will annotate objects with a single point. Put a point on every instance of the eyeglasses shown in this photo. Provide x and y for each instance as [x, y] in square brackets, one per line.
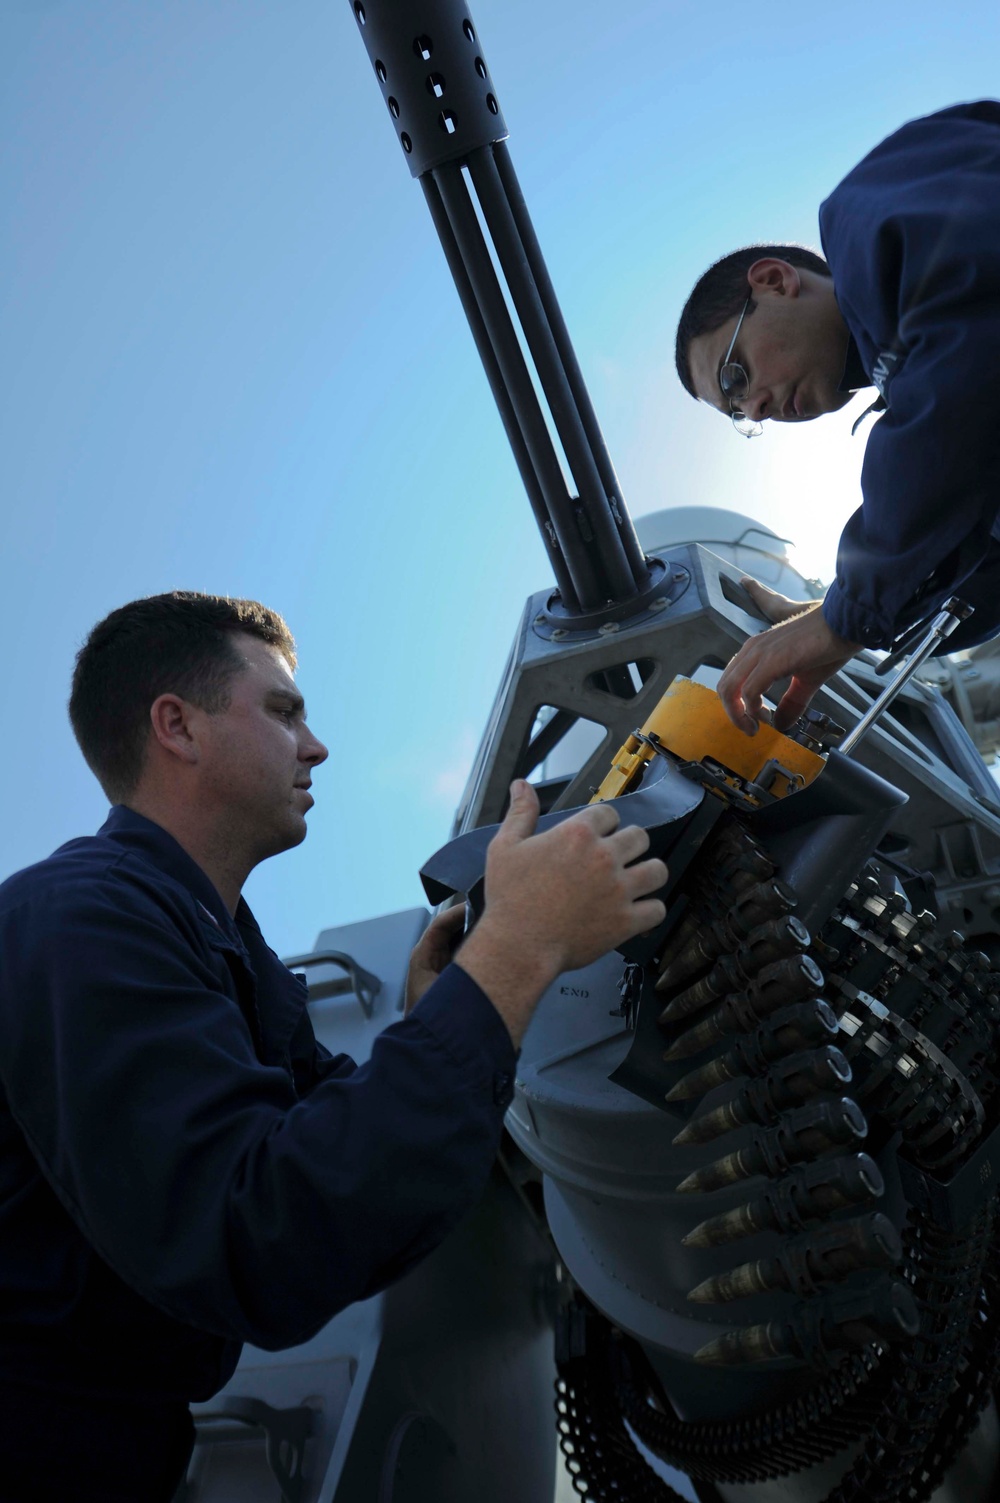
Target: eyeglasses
[734, 384]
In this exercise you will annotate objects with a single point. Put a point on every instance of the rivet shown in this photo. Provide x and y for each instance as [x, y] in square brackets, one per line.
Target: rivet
[659, 604]
[559, 633]
[609, 628]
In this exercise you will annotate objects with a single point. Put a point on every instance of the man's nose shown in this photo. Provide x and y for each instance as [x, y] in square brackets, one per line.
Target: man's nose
[757, 404]
[312, 750]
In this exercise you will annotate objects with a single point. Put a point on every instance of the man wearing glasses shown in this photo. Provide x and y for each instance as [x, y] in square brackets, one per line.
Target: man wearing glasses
[907, 300]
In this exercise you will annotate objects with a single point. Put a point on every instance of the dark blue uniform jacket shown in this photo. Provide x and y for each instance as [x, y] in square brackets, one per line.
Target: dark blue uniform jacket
[182, 1167]
[912, 236]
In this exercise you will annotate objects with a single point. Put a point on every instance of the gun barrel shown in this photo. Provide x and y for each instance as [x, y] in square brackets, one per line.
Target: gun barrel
[429, 63]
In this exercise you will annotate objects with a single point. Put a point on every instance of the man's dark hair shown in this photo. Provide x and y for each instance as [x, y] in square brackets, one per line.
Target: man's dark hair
[722, 291]
[179, 643]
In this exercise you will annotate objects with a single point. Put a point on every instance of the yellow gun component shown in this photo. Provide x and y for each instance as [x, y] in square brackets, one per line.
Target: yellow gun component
[689, 721]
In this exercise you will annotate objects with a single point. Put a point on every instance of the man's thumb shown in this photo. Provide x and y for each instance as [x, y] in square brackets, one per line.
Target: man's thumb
[775, 606]
[522, 816]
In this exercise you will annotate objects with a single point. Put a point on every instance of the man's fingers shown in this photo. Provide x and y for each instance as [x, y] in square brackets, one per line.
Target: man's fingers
[603, 818]
[648, 876]
[767, 601]
[647, 914]
[630, 843]
[753, 703]
[730, 692]
[446, 925]
[794, 702]
[774, 606]
[522, 816]
[755, 686]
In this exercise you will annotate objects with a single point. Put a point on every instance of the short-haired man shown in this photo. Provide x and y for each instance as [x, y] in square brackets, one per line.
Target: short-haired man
[908, 300]
[182, 1167]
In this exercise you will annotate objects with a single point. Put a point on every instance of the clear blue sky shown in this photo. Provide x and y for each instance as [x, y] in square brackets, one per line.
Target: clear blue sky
[232, 358]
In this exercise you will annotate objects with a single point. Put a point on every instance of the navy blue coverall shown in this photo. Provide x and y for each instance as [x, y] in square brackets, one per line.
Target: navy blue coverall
[912, 236]
[184, 1168]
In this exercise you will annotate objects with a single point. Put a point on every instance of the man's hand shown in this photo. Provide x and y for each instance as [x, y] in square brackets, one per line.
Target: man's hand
[771, 604]
[557, 901]
[435, 950]
[801, 646]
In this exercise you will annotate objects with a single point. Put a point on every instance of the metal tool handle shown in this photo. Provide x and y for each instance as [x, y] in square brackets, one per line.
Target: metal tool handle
[950, 616]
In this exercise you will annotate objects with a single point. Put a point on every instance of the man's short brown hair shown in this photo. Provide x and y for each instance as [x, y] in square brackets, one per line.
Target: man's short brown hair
[722, 291]
[178, 643]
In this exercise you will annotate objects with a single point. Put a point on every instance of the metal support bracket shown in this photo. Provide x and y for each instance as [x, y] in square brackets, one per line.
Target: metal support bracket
[362, 983]
[284, 1431]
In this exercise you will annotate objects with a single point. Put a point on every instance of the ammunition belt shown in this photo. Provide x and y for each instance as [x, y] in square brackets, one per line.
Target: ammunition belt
[900, 1324]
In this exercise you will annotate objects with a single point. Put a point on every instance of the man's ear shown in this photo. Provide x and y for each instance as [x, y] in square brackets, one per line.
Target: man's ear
[171, 720]
[779, 278]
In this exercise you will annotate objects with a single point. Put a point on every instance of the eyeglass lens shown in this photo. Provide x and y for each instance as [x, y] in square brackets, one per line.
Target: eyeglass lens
[734, 381]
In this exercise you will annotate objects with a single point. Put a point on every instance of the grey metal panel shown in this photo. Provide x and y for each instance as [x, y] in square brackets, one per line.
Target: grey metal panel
[459, 1406]
[380, 945]
[328, 1375]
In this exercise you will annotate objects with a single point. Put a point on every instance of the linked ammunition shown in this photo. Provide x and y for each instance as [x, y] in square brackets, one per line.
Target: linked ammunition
[820, 1256]
[841, 1320]
[792, 1080]
[698, 941]
[762, 1343]
[862, 892]
[725, 976]
[800, 1026]
[783, 982]
[744, 869]
[801, 1134]
[766, 943]
[766, 900]
[808, 1193]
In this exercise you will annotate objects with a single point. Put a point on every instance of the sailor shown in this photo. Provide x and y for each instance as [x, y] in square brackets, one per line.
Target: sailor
[908, 301]
[183, 1168]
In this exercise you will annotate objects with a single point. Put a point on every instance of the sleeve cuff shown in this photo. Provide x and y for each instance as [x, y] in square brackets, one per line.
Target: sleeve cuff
[464, 1021]
[854, 622]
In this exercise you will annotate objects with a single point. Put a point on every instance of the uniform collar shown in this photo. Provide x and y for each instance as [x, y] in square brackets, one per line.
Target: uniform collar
[276, 1000]
[855, 376]
[157, 845]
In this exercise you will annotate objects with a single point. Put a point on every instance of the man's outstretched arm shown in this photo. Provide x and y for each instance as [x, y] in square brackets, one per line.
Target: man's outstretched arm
[801, 646]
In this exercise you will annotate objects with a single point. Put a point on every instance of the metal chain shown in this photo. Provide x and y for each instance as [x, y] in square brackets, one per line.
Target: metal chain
[602, 1458]
[911, 1445]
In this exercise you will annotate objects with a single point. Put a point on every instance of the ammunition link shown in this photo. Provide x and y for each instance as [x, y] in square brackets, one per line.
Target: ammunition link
[822, 1327]
[802, 1025]
[770, 941]
[809, 1192]
[802, 1134]
[794, 1079]
[784, 981]
[821, 1256]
